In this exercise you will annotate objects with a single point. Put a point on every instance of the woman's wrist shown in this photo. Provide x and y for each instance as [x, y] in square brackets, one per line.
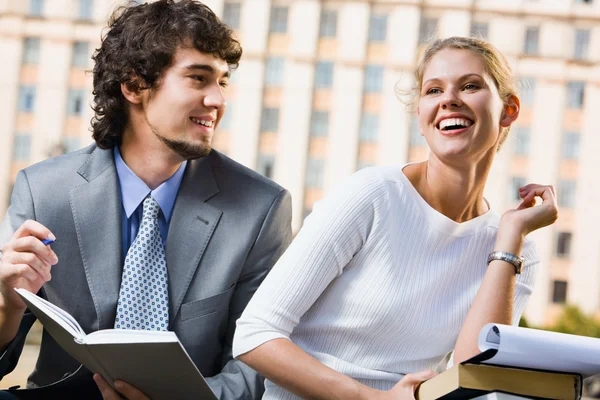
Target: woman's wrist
[510, 238]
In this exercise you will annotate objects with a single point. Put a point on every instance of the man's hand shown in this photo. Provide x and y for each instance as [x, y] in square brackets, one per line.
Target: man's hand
[124, 389]
[26, 263]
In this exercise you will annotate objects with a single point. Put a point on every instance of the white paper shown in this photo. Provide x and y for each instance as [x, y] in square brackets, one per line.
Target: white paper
[538, 349]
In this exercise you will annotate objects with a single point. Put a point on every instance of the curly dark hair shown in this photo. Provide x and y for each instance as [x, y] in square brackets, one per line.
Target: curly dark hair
[140, 44]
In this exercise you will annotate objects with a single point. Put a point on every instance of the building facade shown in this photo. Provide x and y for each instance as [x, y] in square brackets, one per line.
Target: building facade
[316, 97]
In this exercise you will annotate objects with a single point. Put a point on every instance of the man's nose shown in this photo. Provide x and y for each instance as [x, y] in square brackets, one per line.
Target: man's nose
[214, 97]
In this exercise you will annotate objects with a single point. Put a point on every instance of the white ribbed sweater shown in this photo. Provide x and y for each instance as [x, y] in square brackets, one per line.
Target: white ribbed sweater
[377, 283]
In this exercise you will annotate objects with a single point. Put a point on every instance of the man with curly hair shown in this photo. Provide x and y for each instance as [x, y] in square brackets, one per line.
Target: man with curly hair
[159, 81]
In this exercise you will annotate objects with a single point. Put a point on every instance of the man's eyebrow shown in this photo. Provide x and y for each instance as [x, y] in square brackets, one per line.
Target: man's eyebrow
[205, 67]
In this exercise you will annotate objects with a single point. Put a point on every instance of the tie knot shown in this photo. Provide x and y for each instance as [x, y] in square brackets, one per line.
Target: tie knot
[151, 208]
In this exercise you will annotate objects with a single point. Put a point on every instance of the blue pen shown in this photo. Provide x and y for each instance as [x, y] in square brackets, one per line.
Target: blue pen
[47, 241]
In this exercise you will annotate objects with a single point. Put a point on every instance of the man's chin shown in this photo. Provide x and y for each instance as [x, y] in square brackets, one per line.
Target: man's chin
[187, 150]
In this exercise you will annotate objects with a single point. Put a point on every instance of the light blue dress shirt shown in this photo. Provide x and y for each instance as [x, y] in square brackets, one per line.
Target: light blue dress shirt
[133, 193]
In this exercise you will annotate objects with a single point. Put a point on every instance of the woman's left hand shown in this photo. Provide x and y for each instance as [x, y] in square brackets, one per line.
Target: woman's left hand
[528, 216]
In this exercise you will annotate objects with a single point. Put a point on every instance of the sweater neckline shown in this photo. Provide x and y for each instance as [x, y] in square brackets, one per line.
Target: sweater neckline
[440, 222]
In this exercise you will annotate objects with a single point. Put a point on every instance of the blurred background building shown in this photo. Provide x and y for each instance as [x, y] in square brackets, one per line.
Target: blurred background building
[314, 100]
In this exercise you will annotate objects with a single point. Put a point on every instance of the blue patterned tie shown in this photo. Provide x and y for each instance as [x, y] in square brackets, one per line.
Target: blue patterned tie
[144, 298]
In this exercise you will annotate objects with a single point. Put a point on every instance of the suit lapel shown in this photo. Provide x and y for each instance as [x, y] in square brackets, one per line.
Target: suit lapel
[192, 225]
[96, 207]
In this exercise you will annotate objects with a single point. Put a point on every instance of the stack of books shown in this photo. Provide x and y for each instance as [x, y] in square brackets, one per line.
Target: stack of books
[524, 362]
[467, 381]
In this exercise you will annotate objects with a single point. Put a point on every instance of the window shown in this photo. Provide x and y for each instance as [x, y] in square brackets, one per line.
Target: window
[231, 14]
[270, 120]
[363, 165]
[584, 1]
[22, 147]
[563, 244]
[527, 93]
[559, 292]
[517, 182]
[86, 9]
[415, 137]
[314, 173]
[369, 128]
[31, 50]
[427, 29]
[225, 122]
[479, 30]
[26, 98]
[378, 28]
[328, 23]
[80, 54]
[36, 8]
[570, 148]
[324, 75]
[71, 144]
[532, 35]
[319, 123]
[582, 43]
[522, 140]
[566, 193]
[265, 165]
[373, 78]
[274, 71]
[279, 19]
[575, 94]
[75, 102]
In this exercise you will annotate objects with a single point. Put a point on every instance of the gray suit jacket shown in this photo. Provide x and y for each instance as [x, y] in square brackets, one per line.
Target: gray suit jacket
[229, 226]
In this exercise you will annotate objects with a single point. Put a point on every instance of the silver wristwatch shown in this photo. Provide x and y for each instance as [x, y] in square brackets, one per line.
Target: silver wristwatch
[509, 258]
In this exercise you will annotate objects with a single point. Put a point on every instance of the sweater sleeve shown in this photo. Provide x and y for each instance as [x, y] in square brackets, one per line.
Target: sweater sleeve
[334, 232]
[526, 281]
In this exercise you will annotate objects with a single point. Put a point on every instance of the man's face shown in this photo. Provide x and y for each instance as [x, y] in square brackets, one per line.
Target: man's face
[186, 107]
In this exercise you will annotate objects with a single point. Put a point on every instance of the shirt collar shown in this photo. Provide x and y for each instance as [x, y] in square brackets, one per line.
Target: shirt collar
[134, 190]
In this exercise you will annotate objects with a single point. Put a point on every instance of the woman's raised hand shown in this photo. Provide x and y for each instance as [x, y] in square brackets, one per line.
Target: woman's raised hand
[529, 216]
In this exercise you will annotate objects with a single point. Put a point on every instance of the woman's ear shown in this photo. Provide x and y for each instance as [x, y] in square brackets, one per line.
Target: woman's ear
[512, 107]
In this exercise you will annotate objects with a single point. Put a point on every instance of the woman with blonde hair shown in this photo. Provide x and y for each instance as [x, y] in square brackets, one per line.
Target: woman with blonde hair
[402, 265]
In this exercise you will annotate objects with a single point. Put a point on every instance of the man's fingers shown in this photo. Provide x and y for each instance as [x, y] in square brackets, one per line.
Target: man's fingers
[32, 261]
[129, 391]
[33, 228]
[107, 392]
[34, 245]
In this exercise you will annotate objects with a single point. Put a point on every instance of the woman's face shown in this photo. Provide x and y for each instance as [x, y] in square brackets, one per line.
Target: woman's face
[460, 111]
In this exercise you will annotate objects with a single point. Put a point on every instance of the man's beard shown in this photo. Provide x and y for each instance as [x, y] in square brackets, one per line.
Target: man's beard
[184, 149]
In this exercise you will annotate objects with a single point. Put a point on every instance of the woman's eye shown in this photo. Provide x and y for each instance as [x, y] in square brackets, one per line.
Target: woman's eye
[471, 86]
[433, 91]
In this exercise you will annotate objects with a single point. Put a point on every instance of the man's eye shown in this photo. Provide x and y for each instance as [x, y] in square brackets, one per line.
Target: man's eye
[224, 84]
[198, 78]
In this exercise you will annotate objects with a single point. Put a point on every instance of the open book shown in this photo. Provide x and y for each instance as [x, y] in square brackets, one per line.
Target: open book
[537, 349]
[154, 362]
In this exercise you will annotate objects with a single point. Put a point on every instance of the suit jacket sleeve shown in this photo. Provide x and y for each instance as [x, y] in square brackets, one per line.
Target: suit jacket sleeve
[20, 210]
[237, 380]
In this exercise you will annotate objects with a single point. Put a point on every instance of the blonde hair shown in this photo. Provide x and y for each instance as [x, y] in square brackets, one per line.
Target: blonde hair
[496, 65]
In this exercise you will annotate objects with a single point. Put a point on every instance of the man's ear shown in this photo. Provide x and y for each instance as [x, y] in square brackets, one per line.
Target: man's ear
[132, 92]
[512, 107]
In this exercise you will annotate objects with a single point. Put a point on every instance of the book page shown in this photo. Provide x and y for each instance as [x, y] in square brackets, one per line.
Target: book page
[538, 349]
[125, 336]
[59, 315]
